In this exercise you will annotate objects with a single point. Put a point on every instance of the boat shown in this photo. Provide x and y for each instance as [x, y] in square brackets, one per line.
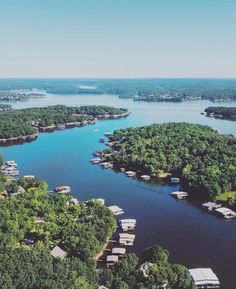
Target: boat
[11, 164]
[62, 190]
[174, 180]
[145, 177]
[96, 160]
[130, 174]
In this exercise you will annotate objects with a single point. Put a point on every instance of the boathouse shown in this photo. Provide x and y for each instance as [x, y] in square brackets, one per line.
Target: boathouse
[204, 278]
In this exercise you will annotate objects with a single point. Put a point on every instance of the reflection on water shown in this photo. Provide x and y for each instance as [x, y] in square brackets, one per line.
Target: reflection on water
[194, 238]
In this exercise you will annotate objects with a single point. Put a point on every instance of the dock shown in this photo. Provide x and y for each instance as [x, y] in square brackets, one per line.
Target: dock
[179, 195]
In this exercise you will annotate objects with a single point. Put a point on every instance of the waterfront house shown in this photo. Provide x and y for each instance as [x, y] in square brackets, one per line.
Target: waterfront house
[116, 210]
[225, 213]
[57, 252]
[204, 278]
[145, 268]
[179, 195]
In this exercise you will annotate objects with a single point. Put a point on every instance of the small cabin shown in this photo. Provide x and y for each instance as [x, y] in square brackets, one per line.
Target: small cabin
[57, 252]
[204, 278]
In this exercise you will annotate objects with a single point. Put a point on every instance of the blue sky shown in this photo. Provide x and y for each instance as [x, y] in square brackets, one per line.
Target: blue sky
[117, 38]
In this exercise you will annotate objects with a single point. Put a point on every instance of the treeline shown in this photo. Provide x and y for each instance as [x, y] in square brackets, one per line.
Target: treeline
[81, 231]
[128, 275]
[222, 112]
[40, 270]
[22, 122]
[148, 89]
[203, 159]
[4, 107]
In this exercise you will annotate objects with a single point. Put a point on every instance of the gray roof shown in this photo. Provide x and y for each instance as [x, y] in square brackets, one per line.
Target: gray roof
[120, 251]
[57, 252]
[112, 258]
[204, 276]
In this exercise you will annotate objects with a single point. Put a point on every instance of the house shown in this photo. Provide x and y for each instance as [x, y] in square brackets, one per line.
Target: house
[57, 252]
[116, 210]
[73, 202]
[102, 287]
[145, 268]
[204, 278]
[130, 174]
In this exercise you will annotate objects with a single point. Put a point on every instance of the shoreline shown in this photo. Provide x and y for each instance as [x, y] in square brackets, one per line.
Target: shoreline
[4, 142]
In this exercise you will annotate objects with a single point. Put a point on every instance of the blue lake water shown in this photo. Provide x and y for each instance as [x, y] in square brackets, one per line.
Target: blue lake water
[194, 238]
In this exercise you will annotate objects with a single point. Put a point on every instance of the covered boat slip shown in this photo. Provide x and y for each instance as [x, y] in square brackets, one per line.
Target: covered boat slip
[126, 239]
[210, 206]
[179, 195]
[116, 210]
[127, 224]
[204, 278]
[226, 213]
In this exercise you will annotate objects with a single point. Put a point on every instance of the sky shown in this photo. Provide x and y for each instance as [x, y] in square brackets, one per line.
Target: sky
[118, 38]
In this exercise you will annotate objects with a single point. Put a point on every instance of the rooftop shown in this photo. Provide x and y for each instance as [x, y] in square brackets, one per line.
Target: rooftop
[204, 276]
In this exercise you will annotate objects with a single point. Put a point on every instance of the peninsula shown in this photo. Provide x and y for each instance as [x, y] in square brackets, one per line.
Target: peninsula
[199, 156]
[22, 125]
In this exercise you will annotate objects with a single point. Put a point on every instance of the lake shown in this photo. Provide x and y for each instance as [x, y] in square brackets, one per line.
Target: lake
[193, 237]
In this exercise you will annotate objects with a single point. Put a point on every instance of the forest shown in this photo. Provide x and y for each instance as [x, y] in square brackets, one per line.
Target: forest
[204, 159]
[139, 89]
[22, 122]
[222, 112]
[81, 231]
